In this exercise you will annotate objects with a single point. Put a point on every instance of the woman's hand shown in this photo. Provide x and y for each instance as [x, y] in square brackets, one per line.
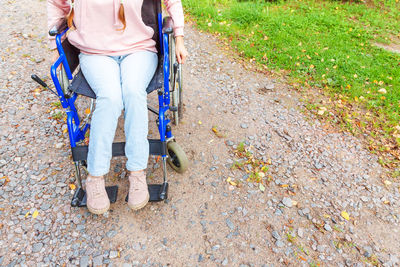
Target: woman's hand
[180, 50]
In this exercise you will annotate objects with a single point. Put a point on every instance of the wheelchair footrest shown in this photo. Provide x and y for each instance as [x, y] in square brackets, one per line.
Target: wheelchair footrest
[158, 192]
[79, 198]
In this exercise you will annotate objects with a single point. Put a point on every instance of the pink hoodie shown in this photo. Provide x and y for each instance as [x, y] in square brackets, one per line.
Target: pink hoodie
[97, 25]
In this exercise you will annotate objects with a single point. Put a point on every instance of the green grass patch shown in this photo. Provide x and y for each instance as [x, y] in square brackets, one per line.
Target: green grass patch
[325, 45]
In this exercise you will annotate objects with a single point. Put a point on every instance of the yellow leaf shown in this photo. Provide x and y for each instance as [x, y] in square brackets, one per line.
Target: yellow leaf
[35, 214]
[262, 187]
[200, 123]
[72, 186]
[387, 183]
[264, 169]
[345, 215]
[65, 130]
[217, 133]
[26, 215]
[229, 180]
[87, 111]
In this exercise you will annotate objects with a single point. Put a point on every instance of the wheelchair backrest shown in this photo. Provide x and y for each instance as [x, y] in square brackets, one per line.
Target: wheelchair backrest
[150, 10]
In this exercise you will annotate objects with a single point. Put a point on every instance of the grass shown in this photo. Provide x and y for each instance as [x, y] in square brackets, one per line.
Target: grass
[323, 47]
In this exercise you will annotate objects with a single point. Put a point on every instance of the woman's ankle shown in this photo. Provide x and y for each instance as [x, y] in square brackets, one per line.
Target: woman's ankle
[94, 177]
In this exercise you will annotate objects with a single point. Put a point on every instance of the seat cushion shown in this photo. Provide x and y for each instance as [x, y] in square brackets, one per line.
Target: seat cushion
[80, 86]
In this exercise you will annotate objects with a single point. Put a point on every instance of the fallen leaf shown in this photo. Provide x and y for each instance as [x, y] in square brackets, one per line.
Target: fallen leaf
[217, 133]
[72, 186]
[27, 214]
[35, 214]
[345, 215]
[87, 111]
[382, 91]
[262, 187]
[229, 180]
[387, 183]
[200, 123]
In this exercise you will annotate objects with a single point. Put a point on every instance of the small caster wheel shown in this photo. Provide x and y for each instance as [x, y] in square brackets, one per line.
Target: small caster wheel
[177, 157]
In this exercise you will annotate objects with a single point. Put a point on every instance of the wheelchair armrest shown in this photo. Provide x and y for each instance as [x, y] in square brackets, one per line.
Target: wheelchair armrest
[168, 25]
[57, 29]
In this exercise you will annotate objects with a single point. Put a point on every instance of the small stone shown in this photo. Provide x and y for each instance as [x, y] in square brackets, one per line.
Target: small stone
[276, 235]
[321, 248]
[201, 258]
[368, 251]
[244, 126]
[45, 206]
[59, 145]
[229, 143]
[300, 232]
[270, 86]
[98, 261]
[279, 244]
[37, 247]
[216, 247]
[305, 211]
[84, 261]
[287, 202]
[230, 224]
[111, 233]
[327, 227]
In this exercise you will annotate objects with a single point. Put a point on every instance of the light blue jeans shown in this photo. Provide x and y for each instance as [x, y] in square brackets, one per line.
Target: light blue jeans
[119, 82]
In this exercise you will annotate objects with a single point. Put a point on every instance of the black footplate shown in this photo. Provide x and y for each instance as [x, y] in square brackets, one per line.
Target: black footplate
[79, 198]
[158, 192]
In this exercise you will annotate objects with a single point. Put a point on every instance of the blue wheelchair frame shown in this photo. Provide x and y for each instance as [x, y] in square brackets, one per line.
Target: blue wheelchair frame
[77, 134]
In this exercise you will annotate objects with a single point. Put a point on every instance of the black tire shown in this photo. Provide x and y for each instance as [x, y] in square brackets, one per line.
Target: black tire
[177, 158]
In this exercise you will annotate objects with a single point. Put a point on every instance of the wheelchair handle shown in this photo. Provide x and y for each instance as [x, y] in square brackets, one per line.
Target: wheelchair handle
[38, 80]
[42, 83]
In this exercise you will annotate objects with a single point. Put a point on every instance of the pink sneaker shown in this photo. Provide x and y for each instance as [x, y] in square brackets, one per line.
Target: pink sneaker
[138, 191]
[97, 198]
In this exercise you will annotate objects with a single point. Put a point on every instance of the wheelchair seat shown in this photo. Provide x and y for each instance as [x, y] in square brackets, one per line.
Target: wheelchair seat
[79, 84]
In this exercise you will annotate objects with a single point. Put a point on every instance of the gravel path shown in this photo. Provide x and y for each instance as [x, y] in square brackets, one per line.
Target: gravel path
[316, 175]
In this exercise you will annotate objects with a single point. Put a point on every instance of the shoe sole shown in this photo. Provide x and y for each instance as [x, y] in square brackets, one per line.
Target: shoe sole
[141, 205]
[98, 212]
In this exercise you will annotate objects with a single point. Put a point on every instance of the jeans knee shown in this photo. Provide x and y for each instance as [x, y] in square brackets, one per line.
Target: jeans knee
[135, 93]
[112, 103]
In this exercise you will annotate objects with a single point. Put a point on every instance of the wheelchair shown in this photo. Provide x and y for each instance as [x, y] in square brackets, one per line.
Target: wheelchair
[70, 83]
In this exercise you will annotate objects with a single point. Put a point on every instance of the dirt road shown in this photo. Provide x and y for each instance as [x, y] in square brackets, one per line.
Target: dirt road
[317, 177]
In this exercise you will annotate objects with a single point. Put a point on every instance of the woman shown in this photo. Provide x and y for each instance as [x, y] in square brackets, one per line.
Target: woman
[118, 58]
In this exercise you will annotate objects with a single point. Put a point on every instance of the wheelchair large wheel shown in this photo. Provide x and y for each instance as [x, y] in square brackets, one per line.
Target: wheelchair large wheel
[177, 158]
[175, 85]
